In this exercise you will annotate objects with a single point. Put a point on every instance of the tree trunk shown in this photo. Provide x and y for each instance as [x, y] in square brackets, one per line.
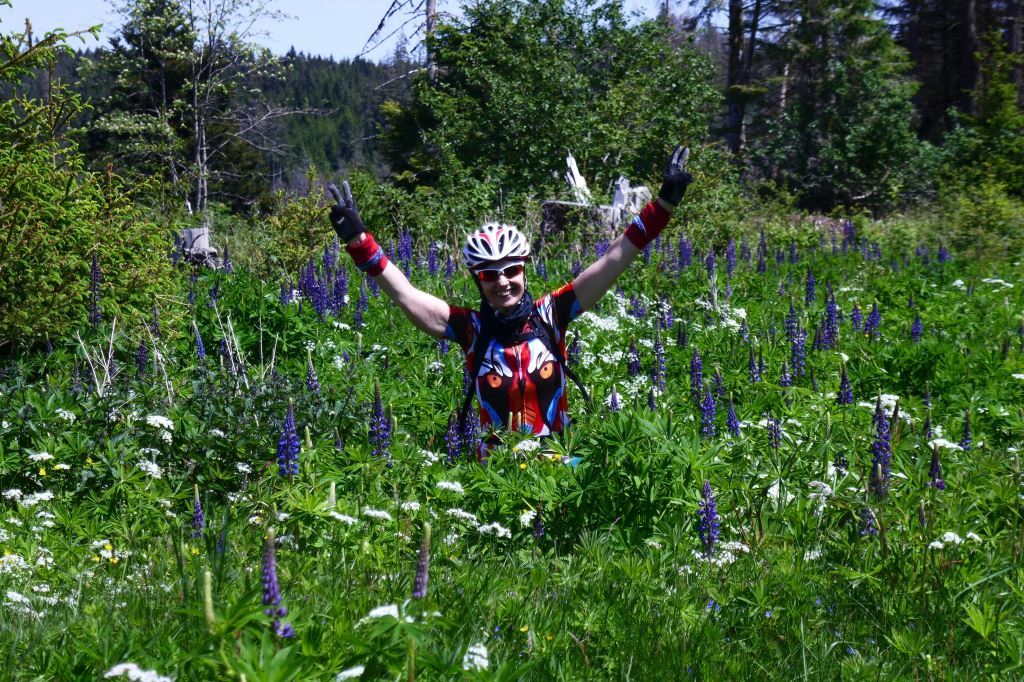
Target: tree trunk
[430, 20]
[1016, 12]
[734, 120]
[968, 64]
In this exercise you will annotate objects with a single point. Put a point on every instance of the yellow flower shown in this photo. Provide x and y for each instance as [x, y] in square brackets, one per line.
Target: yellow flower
[522, 465]
[525, 628]
[549, 636]
[42, 471]
[113, 559]
[96, 558]
[108, 547]
[195, 550]
[88, 460]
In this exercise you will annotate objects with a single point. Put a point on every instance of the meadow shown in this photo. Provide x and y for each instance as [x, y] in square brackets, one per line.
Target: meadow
[802, 459]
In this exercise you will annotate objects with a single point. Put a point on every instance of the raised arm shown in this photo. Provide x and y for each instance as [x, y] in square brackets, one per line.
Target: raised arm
[426, 311]
[599, 277]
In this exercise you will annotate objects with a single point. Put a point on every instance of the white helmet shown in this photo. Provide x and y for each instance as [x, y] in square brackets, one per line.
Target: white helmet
[494, 242]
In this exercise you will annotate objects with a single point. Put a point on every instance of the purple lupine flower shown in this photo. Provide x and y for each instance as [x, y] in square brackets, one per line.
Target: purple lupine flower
[272, 591]
[809, 288]
[636, 307]
[709, 263]
[840, 463]
[577, 268]
[856, 318]
[380, 427]
[916, 328]
[667, 319]
[707, 414]
[419, 584]
[682, 337]
[793, 256]
[658, 378]
[730, 257]
[601, 248]
[965, 440]
[881, 463]
[926, 428]
[374, 287]
[845, 394]
[319, 298]
[142, 359]
[285, 297]
[774, 433]
[361, 305]
[867, 522]
[538, 522]
[154, 324]
[792, 322]
[753, 369]
[731, 421]
[652, 405]
[762, 267]
[719, 384]
[288, 445]
[696, 375]
[879, 412]
[685, 252]
[95, 291]
[312, 381]
[213, 295]
[405, 251]
[830, 333]
[707, 520]
[935, 471]
[228, 267]
[613, 401]
[449, 268]
[785, 377]
[944, 254]
[432, 265]
[798, 352]
[442, 347]
[633, 359]
[200, 348]
[198, 518]
[874, 319]
[542, 270]
[647, 252]
[339, 293]
[744, 249]
[453, 445]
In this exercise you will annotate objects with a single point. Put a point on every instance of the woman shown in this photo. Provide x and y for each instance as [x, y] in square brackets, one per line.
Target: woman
[514, 346]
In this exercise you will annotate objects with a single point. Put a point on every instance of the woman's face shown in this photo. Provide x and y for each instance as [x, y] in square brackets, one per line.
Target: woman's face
[503, 283]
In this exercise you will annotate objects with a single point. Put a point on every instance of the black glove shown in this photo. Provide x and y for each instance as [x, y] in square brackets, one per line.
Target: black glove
[676, 179]
[344, 214]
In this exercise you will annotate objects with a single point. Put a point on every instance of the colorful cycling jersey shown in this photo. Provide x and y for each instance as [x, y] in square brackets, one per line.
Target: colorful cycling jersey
[520, 378]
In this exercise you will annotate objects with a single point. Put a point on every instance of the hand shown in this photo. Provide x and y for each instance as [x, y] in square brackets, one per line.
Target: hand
[344, 214]
[676, 179]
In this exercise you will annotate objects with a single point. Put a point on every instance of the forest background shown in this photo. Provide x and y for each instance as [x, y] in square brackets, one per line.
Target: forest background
[909, 112]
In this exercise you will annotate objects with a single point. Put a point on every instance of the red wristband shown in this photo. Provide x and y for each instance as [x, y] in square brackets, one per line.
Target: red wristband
[648, 225]
[368, 256]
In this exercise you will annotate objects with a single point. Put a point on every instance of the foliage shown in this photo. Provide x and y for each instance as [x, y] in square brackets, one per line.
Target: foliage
[56, 216]
[843, 136]
[99, 492]
[522, 83]
[987, 147]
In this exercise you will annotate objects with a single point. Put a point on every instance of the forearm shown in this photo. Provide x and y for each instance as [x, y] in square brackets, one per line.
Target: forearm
[427, 312]
[599, 277]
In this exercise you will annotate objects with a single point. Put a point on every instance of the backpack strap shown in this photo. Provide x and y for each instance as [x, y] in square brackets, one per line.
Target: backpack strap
[544, 333]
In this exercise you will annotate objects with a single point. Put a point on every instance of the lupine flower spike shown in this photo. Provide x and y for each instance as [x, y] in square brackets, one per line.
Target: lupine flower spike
[935, 472]
[965, 440]
[198, 518]
[271, 590]
[288, 445]
[419, 586]
[707, 520]
[380, 427]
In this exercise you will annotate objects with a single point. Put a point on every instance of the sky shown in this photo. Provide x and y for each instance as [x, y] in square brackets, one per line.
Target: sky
[338, 28]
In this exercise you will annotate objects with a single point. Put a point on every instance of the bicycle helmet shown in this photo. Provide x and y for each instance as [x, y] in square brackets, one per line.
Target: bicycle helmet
[494, 242]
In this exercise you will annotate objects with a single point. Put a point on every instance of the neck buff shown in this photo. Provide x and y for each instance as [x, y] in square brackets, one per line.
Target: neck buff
[501, 323]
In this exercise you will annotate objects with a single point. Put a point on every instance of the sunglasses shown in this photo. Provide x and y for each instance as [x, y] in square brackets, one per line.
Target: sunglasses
[492, 275]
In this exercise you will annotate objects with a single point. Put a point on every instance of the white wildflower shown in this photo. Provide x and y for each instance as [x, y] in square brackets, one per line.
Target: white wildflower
[378, 514]
[812, 555]
[217, 433]
[844, 356]
[152, 469]
[528, 445]
[475, 658]
[282, 516]
[943, 443]
[435, 367]
[495, 529]
[61, 466]
[950, 536]
[40, 456]
[66, 415]
[430, 457]
[160, 422]
[974, 536]
[995, 280]
[13, 494]
[451, 486]
[1018, 376]
[383, 612]
[344, 518]
[35, 498]
[959, 284]
[935, 544]
[149, 452]
[526, 518]
[166, 436]
[243, 468]
[462, 514]
[255, 519]
[136, 674]
[411, 506]
[11, 563]
[350, 673]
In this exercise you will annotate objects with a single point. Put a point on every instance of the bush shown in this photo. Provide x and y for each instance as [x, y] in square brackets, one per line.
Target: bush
[54, 216]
